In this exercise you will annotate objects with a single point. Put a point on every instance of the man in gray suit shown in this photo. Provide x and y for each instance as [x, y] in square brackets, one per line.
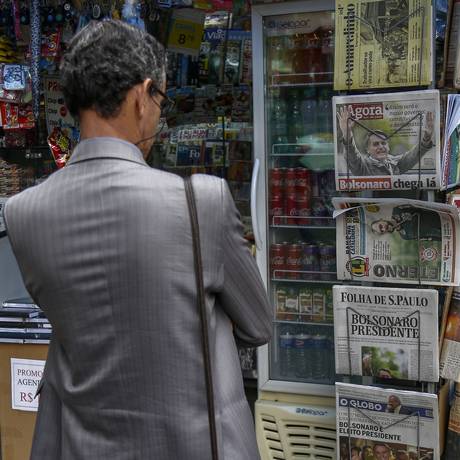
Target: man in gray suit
[105, 248]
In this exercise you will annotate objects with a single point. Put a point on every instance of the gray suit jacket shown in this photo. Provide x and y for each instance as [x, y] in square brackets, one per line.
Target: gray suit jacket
[105, 248]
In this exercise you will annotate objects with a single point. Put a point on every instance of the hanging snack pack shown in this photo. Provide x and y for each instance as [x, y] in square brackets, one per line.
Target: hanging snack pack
[60, 145]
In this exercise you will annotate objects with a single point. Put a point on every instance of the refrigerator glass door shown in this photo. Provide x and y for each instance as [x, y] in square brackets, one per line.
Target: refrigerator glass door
[298, 177]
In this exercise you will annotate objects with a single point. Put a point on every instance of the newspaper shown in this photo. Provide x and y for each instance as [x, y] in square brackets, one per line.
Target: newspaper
[450, 159]
[395, 240]
[382, 44]
[376, 423]
[450, 355]
[387, 141]
[386, 333]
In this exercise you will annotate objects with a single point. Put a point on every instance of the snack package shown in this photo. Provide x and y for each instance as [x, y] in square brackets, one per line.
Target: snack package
[60, 146]
[13, 77]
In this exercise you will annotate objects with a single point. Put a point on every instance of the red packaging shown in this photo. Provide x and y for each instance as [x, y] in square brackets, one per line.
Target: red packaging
[303, 180]
[304, 209]
[290, 181]
[291, 209]
[10, 115]
[294, 261]
[277, 260]
[60, 146]
[276, 181]
[276, 209]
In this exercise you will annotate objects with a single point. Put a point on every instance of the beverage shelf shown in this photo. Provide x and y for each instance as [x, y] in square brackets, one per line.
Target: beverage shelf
[309, 227]
[303, 323]
[301, 154]
[301, 85]
[315, 222]
[312, 281]
[301, 273]
[299, 79]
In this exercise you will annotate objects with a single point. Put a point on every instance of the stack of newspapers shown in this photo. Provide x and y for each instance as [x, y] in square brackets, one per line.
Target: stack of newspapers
[21, 321]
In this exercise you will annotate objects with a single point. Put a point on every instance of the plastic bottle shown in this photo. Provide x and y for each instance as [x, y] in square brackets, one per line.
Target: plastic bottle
[302, 358]
[287, 359]
[296, 124]
[309, 110]
[319, 357]
[278, 115]
[324, 106]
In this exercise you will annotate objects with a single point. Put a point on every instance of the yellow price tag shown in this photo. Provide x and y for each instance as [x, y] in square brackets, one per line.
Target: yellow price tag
[185, 35]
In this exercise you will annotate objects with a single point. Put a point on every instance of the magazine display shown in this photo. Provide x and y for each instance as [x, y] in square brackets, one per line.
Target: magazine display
[450, 355]
[387, 141]
[382, 44]
[378, 332]
[384, 423]
[396, 240]
[450, 161]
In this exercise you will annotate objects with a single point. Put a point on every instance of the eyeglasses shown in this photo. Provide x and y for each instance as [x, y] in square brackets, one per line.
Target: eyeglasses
[166, 103]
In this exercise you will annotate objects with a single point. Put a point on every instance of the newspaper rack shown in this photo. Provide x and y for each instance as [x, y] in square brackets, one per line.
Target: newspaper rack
[419, 345]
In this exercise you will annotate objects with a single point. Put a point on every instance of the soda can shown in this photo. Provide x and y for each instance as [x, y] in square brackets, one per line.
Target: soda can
[276, 209]
[292, 304]
[319, 305]
[319, 211]
[294, 258]
[303, 209]
[277, 181]
[290, 181]
[315, 180]
[305, 304]
[310, 261]
[277, 260]
[327, 261]
[302, 182]
[292, 211]
[326, 183]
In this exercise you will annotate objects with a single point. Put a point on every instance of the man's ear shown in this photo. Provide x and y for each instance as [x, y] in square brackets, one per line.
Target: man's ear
[141, 96]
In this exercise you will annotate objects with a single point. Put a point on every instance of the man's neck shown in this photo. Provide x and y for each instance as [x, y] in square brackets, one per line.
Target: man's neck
[93, 125]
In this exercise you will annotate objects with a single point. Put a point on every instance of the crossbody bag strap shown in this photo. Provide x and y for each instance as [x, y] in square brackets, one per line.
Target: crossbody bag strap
[202, 311]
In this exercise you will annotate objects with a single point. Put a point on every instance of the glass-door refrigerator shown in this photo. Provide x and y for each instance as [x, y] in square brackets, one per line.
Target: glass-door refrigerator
[292, 186]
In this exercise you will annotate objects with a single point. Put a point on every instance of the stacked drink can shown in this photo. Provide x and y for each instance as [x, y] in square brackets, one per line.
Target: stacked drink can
[302, 260]
[297, 194]
[290, 196]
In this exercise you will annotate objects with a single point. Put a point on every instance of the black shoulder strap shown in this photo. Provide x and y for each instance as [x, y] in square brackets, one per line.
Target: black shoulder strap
[202, 310]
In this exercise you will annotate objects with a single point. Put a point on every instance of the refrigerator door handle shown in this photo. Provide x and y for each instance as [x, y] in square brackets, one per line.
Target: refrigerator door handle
[254, 219]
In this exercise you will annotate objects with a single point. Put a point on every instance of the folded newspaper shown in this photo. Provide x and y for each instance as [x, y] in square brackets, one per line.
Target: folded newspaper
[450, 158]
[382, 44]
[387, 333]
[396, 240]
[387, 141]
[378, 423]
[450, 355]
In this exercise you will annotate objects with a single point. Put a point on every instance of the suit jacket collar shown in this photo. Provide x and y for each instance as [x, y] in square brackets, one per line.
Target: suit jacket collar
[106, 147]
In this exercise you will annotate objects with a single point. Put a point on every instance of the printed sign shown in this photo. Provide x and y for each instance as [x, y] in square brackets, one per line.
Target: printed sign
[25, 377]
[186, 32]
[57, 114]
